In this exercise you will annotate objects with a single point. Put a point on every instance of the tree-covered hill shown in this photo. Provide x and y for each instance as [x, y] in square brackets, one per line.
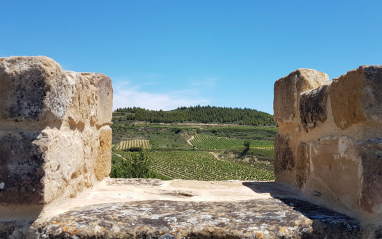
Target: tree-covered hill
[203, 114]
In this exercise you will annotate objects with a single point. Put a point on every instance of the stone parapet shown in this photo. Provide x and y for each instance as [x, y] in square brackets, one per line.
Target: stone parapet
[55, 138]
[329, 144]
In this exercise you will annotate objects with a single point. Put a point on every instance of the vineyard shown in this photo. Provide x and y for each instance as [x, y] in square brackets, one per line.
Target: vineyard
[199, 165]
[182, 151]
[124, 145]
[205, 141]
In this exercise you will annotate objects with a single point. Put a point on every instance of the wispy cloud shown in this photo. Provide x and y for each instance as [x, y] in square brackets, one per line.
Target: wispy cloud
[126, 95]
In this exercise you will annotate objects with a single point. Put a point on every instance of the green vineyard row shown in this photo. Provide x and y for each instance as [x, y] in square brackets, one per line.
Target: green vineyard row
[123, 145]
[194, 165]
[205, 141]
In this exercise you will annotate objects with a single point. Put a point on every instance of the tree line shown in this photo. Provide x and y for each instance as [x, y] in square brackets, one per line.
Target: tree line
[203, 114]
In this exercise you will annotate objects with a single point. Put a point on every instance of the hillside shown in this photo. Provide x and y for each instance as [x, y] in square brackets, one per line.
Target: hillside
[202, 114]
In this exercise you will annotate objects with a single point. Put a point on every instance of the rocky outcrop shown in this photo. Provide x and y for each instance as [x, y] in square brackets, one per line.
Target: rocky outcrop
[329, 145]
[55, 138]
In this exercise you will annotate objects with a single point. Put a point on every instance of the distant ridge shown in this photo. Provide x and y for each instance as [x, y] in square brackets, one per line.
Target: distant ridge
[202, 114]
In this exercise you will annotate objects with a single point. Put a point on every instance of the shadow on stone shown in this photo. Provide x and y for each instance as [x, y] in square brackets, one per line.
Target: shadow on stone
[325, 223]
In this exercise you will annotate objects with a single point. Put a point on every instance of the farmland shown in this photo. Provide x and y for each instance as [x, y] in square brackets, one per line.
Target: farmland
[196, 151]
[205, 141]
[139, 143]
[195, 165]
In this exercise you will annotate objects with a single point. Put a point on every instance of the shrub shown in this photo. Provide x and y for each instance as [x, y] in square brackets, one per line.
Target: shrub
[135, 165]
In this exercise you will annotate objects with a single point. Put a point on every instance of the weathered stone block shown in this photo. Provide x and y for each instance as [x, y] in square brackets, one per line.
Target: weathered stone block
[287, 90]
[335, 170]
[63, 161]
[92, 99]
[284, 160]
[33, 88]
[356, 96]
[342, 170]
[338, 156]
[21, 171]
[55, 137]
[103, 166]
[302, 164]
[371, 155]
[104, 96]
[313, 110]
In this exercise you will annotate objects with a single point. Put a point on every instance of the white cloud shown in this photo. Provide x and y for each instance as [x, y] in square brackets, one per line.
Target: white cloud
[130, 96]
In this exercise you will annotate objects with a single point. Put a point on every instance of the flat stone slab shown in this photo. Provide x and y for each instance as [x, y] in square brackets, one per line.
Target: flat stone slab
[262, 218]
[147, 208]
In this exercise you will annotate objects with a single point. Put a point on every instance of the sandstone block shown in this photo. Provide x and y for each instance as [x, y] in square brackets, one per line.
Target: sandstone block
[92, 99]
[33, 89]
[288, 89]
[21, 167]
[302, 164]
[55, 137]
[336, 159]
[370, 153]
[357, 97]
[63, 161]
[104, 96]
[313, 111]
[284, 159]
[103, 166]
[334, 171]
[338, 169]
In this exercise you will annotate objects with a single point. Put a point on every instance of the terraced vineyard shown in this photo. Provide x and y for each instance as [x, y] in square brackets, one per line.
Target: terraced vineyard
[205, 141]
[123, 145]
[198, 165]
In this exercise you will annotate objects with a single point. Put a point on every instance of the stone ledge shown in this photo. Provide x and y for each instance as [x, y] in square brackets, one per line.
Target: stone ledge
[150, 208]
[267, 218]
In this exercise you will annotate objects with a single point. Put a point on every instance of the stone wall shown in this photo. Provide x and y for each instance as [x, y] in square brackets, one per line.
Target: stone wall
[55, 138]
[329, 145]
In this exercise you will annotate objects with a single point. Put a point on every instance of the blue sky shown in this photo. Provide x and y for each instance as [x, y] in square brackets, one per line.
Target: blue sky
[162, 54]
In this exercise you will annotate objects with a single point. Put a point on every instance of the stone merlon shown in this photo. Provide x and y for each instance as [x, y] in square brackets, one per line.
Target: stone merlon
[329, 144]
[55, 138]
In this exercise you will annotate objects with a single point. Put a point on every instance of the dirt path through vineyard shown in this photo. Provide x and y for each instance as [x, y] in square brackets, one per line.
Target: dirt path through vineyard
[189, 140]
[119, 156]
[216, 155]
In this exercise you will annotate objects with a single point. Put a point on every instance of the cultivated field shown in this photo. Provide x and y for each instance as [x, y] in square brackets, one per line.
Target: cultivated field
[205, 141]
[171, 156]
[196, 165]
[124, 145]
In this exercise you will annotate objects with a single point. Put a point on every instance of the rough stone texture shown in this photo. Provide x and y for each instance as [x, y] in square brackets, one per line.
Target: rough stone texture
[313, 107]
[103, 166]
[334, 171]
[284, 159]
[33, 88]
[14, 229]
[268, 218]
[151, 208]
[370, 153]
[55, 137]
[357, 96]
[335, 142]
[302, 164]
[287, 93]
[20, 167]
